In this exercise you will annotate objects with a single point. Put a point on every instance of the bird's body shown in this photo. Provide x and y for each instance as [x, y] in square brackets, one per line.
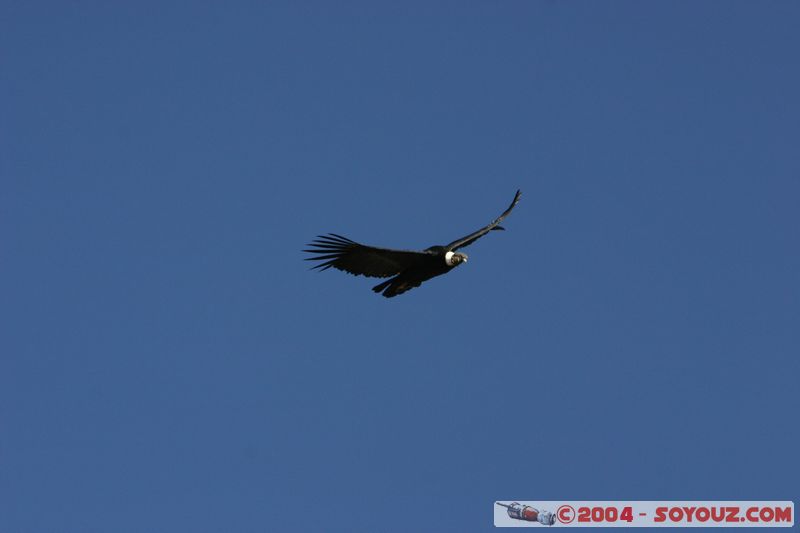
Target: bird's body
[432, 263]
[405, 268]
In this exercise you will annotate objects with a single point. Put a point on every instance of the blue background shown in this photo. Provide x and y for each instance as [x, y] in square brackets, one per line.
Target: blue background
[170, 364]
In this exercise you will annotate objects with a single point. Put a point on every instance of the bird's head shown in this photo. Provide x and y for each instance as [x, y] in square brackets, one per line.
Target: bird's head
[455, 258]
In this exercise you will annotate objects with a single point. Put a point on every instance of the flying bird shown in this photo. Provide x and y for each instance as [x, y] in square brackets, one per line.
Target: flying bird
[405, 268]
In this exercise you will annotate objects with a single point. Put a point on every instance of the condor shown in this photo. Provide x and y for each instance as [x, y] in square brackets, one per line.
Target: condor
[405, 269]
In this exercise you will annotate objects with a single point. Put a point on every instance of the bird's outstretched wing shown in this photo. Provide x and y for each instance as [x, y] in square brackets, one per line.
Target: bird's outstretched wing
[494, 225]
[343, 254]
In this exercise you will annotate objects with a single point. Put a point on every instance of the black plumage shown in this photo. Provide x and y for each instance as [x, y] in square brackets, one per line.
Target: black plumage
[405, 268]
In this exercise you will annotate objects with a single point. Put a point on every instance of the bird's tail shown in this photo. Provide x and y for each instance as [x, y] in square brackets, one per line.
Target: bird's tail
[380, 286]
[394, 286]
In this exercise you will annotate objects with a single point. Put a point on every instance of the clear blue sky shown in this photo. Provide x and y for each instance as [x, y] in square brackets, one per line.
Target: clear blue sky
[170, 364]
